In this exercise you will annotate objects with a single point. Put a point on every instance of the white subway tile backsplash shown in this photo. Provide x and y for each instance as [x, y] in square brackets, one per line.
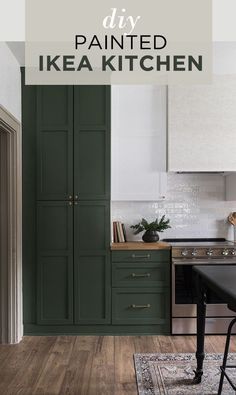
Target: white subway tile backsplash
[195, 204]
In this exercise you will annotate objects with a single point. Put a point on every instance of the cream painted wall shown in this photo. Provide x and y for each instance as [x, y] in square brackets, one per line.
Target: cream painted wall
[10, 82]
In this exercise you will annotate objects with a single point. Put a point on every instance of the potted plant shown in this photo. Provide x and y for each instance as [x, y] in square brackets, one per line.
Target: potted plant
[151, 228]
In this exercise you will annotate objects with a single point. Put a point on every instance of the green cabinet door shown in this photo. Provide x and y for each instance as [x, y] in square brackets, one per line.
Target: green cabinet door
[92, 142]
[55, 263]
[91, 227]
[92, 289]
[54, 142]
[92, 262]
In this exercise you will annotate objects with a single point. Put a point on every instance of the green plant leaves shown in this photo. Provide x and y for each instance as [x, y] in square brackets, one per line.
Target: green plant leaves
[156, 225]
[138, 228]
[144, 223]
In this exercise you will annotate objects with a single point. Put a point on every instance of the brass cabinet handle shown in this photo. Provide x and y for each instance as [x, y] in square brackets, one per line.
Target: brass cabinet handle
[141, 256]
[140, 275]
[70, 197]
[140, 306]
[76, 203]
[70, 203]
[76, 197]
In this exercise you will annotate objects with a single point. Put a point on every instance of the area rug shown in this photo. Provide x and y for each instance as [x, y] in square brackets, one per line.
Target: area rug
[172, 374]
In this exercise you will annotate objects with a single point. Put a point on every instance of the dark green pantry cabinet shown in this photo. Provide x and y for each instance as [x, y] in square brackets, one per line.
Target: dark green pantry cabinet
[66, 206]
[73, 142]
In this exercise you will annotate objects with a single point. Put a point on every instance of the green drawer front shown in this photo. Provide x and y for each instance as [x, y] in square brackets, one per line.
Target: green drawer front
[140, 306]
[141, 275]
[141, 256]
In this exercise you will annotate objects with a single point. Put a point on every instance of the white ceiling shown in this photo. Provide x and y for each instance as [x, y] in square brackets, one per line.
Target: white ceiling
[18, 50]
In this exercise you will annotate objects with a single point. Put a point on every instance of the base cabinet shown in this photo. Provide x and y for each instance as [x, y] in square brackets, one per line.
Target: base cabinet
[140, 306]
[141, 288]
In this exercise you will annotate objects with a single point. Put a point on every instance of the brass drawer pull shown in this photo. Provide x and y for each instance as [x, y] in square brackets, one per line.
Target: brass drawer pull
[141, 256]
[140, 306]
[140, 275]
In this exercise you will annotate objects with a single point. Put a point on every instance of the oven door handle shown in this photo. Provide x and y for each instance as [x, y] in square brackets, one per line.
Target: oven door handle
[193, 262]
[183, 262]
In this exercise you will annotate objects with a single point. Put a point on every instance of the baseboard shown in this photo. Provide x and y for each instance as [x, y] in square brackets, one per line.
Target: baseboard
[96, 330]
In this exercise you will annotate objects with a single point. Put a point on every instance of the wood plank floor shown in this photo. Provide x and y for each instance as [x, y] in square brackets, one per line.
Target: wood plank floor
[85, 365]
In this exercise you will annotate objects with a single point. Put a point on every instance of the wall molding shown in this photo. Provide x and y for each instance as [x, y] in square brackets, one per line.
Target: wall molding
[11, 321]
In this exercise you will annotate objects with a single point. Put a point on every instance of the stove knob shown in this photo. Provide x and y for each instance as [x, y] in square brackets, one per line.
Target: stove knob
[194, 252]
[233, 252]
[225, 252]
[209, 252]
[184, 252]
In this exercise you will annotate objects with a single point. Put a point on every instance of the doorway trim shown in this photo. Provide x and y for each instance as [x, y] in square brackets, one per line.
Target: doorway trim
[11, 317]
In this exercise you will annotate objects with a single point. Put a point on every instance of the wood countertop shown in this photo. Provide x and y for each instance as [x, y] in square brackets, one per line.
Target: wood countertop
[140, 245]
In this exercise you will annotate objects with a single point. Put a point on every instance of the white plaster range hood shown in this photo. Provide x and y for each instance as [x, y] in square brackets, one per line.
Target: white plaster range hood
[202, 127]
[201, 172]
